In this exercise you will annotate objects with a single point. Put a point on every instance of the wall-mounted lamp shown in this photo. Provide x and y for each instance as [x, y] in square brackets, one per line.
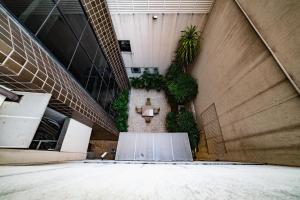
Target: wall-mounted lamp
[154, 17]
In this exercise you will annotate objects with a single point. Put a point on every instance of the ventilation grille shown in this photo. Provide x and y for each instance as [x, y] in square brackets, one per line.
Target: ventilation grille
[159, 6]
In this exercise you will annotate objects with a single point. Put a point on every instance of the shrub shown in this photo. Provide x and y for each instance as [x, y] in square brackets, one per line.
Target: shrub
[173, 71]
[120, 106]
[137, 82]
[182, 89]
[188, 46]
[171, 122]
[148, 81]
[184, 121]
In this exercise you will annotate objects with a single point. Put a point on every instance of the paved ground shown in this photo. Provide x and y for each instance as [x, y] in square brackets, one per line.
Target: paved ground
[149, 181]
[138, 98]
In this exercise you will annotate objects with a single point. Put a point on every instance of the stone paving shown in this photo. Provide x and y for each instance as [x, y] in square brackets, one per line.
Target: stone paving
[136, 122]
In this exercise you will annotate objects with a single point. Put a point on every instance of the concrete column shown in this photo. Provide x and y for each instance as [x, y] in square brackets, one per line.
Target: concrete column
[77, 137]
[20, 120]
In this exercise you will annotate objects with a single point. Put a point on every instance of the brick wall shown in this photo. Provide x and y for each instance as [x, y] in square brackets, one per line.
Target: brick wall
[101, 22]
[101, 146]
[27, 66]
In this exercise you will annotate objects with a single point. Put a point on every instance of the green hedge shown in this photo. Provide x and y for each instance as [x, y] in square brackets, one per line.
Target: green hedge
[181, 89]
[120, 105]
[148, 81]
[183, 121]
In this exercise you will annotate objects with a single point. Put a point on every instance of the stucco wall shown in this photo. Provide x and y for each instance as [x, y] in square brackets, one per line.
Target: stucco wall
[257, 108]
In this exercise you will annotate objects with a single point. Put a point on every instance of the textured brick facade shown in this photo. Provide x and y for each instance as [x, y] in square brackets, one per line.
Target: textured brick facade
[101, 146]
[27, 66]
[98, 14]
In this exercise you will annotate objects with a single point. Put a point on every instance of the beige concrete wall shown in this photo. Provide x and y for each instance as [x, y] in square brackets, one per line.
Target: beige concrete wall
[18, 156]
[257, 107]
[278, 23]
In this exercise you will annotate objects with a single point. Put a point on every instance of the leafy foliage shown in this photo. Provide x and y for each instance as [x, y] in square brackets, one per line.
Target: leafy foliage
[188, 46]
[184, 121]
[182, 88]
[173, 71]
[171, 122]
[148, 81]
[120, 105]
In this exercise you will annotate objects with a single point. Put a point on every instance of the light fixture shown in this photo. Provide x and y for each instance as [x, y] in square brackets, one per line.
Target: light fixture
[154, 17]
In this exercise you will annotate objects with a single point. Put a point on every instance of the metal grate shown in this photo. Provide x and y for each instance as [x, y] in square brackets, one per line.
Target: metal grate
[159, 6]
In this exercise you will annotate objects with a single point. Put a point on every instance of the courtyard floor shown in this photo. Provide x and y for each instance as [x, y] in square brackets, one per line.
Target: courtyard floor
[136, 123]
[117, 180]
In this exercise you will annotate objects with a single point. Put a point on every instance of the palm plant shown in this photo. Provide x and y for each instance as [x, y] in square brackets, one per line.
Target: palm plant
[188, 46]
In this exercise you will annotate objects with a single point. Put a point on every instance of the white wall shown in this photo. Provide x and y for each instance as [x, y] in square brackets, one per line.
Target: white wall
[19, 121]
[153, 42]
[77, 137]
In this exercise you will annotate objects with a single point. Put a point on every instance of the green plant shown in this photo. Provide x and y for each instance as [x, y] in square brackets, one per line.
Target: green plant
[136, 82]
[148, 81]
[173, 71]
[186, 123]
[120, 106]
[188, 46]
[183, 121]
[182, 89]
[171, 122]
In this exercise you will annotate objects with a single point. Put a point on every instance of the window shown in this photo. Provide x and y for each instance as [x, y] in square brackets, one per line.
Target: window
[31, 13]
[74, 17]
[81, 66]
[136, 70]
[58, 37]
[89, 42]
[94, 83]
[125, 45]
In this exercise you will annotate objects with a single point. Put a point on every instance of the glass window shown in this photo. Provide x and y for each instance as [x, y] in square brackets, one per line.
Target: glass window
[135, 70]
[110, 93]
[94, 83]
[74, 15]
[81, 66]
[107, 73]
[89, 42]
[58, 37]
[100, 62]
[102, 94]
[32, 13]
[125, 45]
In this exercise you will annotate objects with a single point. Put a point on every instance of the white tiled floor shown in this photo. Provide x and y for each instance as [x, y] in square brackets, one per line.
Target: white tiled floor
[136, 122]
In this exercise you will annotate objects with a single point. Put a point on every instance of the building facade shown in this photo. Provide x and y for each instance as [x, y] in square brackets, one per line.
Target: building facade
[57, 49]
[54, 49]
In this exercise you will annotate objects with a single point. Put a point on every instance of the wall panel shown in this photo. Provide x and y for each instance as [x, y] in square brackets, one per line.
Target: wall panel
[257, 107]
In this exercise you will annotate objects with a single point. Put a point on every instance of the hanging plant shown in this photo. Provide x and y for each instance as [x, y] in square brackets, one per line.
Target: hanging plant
[188, 46]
